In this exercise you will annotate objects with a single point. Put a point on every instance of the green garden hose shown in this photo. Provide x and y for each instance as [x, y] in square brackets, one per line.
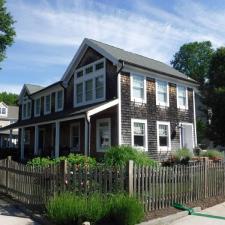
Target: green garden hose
[191, 211]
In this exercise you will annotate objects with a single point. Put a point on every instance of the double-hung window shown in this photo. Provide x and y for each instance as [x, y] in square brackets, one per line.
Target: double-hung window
[182, 97]
[26, 108]
[37, 107]
[75, 137]
[47, 105]
[138, 88]
[103, 136]
[99, 87]
[163, 136]
[139, 134]
[3, 111]
[59, 101]
[89, 90]
[162, 93]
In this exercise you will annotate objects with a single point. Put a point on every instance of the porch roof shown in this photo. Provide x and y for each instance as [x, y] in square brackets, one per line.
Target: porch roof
[63, 115]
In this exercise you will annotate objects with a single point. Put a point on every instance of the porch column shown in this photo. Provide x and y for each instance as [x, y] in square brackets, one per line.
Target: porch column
[10, 138]
[36, 139]
[57, 138]
[86, 145]
[22, 144]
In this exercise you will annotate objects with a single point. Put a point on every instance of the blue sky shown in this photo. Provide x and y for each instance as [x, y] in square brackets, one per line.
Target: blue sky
[50, 31]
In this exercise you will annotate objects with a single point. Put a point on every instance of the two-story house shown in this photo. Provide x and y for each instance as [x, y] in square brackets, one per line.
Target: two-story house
[108, 96]
[8, 115]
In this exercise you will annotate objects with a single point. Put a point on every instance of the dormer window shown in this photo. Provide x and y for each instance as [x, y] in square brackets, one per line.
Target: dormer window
[59, 99]
[47, 104]
[26, 108]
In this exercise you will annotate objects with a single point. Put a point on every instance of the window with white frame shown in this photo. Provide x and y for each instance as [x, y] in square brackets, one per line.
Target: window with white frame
[26, 108]
[47, 104]
[59, 100]
[3, 111]
[138, 88]
[37, 107]
[89, 83]
[182, 97]
[75, 137]
[163, 136]
[162, 93]
[139, 133]
[103, 134]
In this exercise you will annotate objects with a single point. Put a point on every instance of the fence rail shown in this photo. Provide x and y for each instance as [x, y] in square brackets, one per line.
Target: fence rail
[156, 187]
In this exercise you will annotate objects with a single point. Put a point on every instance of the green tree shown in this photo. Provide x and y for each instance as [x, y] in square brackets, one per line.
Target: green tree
[7, 31]
[193, 59]
[215, 96]
[9, 98]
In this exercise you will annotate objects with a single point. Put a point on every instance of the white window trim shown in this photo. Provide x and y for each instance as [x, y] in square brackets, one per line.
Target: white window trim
[48, 112]
[134, 99]
[71, 129]
[57, 109]
[35, 102]
[86, 77]
[186, 105]
[108, 120]
[168, 148]
[167, 104]
[145, 148]
[193, 138]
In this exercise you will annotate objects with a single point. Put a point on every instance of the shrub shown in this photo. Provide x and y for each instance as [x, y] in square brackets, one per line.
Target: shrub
[69, 208]
[212, 154]
[120, 209]
[120, 155]
[182, 155]
[73, 159]
[124, 210]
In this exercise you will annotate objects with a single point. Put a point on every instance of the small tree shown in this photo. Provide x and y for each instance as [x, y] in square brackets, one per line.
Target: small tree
[193, 59]
[7, 32]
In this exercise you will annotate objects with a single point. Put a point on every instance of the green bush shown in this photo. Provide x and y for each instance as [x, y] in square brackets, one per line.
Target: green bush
[120, 155]
[182, 155]
[212, 154]
[73, 159]
[124, 210]
[120, 209]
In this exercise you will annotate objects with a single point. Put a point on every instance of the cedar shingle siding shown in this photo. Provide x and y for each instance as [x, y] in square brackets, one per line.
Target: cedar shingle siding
[152, 113]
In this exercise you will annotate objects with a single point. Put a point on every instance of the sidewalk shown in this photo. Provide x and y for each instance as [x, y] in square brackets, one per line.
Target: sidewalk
[217, 210]
[10, 215]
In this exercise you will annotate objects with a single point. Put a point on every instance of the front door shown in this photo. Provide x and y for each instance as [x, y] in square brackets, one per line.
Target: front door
[187, 136]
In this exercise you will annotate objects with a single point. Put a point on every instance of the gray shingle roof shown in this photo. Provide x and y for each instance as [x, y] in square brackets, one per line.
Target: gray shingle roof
[140, 60]
[31, 88]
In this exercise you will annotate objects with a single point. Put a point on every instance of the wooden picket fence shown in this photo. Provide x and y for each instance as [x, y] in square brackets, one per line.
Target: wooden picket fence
[156, 187]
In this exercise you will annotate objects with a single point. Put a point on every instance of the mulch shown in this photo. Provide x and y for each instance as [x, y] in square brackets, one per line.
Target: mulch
[204, 203]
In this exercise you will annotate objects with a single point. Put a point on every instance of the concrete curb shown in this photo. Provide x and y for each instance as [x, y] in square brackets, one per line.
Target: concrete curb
[169, 219]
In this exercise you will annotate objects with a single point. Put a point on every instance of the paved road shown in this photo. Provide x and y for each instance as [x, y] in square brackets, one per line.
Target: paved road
[10, 215]
[218, 210]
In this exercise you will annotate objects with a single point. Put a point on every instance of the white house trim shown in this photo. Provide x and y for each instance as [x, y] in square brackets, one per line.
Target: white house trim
[119, 108]
[144, 121]
[195, 126]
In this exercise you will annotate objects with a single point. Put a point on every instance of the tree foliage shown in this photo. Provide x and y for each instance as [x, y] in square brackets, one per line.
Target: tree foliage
[7, 31]
[9, 98]
[193, 59]
[215, 96]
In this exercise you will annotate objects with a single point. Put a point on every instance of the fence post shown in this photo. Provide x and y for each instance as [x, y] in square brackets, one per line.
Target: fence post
[7, 173]
[130, 177]
[63, 173]
[206, 176]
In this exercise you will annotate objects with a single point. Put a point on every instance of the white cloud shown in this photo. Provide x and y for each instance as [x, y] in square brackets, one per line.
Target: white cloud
[150, 31]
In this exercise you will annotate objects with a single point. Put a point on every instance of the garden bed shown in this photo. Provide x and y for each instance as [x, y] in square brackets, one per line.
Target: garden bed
[204, 203]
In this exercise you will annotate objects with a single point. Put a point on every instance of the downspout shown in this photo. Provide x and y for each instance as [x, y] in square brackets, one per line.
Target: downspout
[119, 98]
